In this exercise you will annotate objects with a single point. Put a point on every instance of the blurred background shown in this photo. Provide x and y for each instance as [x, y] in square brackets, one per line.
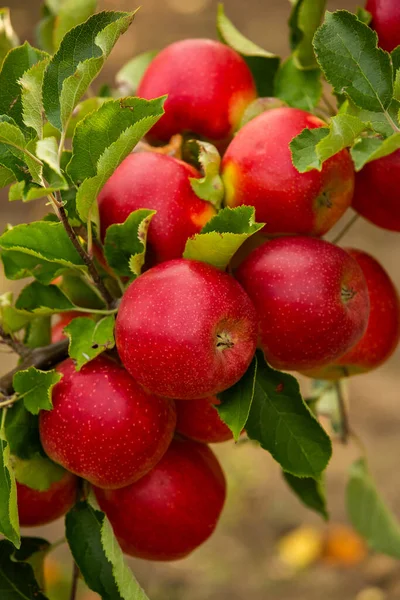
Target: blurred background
[266, 545]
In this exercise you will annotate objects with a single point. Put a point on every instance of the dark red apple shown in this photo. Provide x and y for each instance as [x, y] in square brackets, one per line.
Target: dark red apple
[377, 190]
[57, 330]
[161, 183]
[208, 85]
[311, 298]
[173, 509]
[104, 427]
[386, 22]
[257, 170]
[40, 508]
[186, 330]
[200, 421]
[383, 331]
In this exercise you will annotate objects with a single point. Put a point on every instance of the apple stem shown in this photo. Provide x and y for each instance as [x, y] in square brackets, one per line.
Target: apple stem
[74, 584]
[344, 418]
[18, 347]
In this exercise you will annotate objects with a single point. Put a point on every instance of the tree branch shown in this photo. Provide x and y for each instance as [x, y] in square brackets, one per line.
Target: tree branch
[18, 347]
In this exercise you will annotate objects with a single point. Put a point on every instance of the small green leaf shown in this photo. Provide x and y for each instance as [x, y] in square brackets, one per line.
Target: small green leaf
[43, 299]
[47, 151]
[10, 319]
[125, 243]
[88, 339]
[77, 62]
[33, 551]
[17, 578]
[70, 14]
[22, 429]
[9, 525]
[222, 236]
[129, 77]
[18, 265]
[261, 63]
[257, 107]
[368, 149]
[38, 332]
[210, 187]
[38, 473]
[311, 492]
[283, 424]
[31, 96]
[236, 401]
[79, 291]
[304, 20]
[12, 135]
[6, 177]
[368, 513]
[98, 555]
[396, 88]
[377, 121]
[363, 15]
[347, 53]
[298, 87]
[35, 388]
[8, 37]
[312, 147]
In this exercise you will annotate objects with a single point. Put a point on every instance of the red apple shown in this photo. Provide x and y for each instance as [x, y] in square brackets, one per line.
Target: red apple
[376, 192]
[186, 330]
[383, 331]
[173, 509]
[311, 298]
[257, 170]
[200, 421]
[57, 330]
[104, 427]
[40, 508]
[386, 22]
[208, 85]
[158, 182]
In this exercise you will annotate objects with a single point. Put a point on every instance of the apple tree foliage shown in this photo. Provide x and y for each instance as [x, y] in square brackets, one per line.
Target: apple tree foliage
[60, 141]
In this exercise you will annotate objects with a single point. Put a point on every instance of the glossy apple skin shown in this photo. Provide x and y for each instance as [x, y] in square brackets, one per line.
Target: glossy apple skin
[39, 508]
[104, 427]
[386, 22]
[257, 170]
[161, 183]
[382, 335]
[208, 85]
[377, 191]
[311, 298]
[200, 421]
[173, 509]
[186, 330]
[57, 330]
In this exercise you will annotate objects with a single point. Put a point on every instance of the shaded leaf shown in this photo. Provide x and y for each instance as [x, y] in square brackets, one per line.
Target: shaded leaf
[22, 429]
[43, 299]
[209, 187]
[298, 87]
[38, 332]
[17, 579]
[31, 96]
[18, 265]
[88, 339]
[368, 149]
[10, 319]
[9, 525]
[70, 14]
[129, 77]
[38, 473]
[304, 20]
[311, 492]
[8, 37]
[35, 388]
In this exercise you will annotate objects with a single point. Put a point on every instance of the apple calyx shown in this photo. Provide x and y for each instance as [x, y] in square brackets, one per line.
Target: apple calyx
[224, 341]
[324, 201]
[347, 293]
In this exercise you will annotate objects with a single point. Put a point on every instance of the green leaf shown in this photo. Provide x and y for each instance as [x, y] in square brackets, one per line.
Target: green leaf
[31, 96]
[17, 578]
[261, 63]
[80, 292]
[304, 20]
[368, 149]
[236, 401]
[298, 87]
[6, 177]
[8, 37]
[38, 473]
[98, 555]
[129, 77]
[47, 151]
[35, 388]
[283, 424]
[9, 525]
[396, 88]
[44, 30]
[363, 15]
[70, 14]
[15, 64]
[33, 551]
[369, 514]
[312, 147]
[22, 429]
[38, 333]
[43, 299]
[10, 319]
[257, 107]
[88, 339]
[311, 492]
[222, 236]
[210, 187]
[347, 53]
[125, 243]
[77, 62]
[378, 122]
[113, 131]
[18, 265]
[12, 135]
[45, 240]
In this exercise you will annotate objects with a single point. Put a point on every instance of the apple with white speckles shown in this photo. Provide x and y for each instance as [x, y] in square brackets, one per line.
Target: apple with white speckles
[173, 509]
[104, 427]
[311, 299]
[199, 420]
[186, 330]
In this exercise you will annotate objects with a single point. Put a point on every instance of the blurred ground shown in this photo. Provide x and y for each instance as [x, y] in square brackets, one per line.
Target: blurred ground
[240, 561]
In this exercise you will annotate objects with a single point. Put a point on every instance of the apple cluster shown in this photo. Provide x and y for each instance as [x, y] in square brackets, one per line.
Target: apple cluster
[136, 426]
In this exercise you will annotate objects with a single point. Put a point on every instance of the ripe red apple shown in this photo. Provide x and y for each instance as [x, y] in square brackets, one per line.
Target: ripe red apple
[311, 298]
[383, 331]
[376, 192]
[57, 330]
[257, 170]
[104, 427]
[208, 85]
[200, 421]
[173, 509]
[158, 182]
[186, 330]
[386, 22]
[40, 508]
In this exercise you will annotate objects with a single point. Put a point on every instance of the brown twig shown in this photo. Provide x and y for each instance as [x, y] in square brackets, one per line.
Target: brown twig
[18, 347]
[74, 584]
